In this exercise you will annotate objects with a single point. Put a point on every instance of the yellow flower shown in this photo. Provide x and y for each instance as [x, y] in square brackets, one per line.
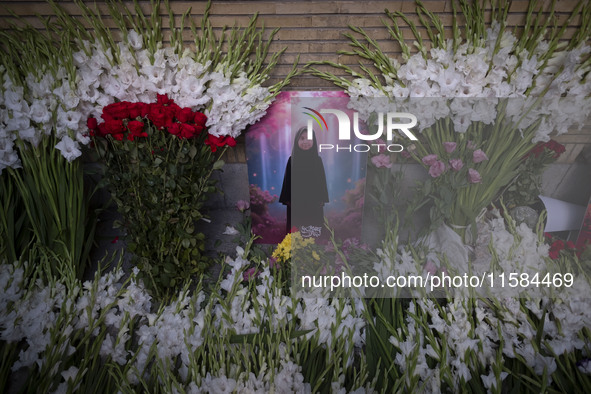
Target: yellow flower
[291, 241]
[315, 256]
[283, 251]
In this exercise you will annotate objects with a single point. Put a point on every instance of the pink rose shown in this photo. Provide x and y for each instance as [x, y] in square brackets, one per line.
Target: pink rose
[437, 169]
[250, 273]
[449, 146]
[430, 267]
[242, 205]
[479, 156]
[381, 160]
[381, 145]
[471, 145]
[456, 164]
[430, 159]
[474, 176]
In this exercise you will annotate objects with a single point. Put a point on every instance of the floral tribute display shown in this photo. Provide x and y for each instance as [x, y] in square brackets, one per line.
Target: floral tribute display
[158, 112]
[159, 159]
[125, 90]
[504, 90]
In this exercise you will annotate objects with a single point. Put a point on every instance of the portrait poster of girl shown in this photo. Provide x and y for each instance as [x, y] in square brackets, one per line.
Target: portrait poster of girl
[327, 185]
[304, 181]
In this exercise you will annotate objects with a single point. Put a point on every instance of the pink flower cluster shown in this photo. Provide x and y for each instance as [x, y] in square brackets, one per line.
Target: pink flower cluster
[381, 160]
[437, 166]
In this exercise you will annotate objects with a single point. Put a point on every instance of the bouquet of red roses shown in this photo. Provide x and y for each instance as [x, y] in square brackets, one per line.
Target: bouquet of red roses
[159, 159]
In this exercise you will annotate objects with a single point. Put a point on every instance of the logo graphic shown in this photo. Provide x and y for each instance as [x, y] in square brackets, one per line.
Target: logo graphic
[387, 124]
[318, 115]
[392, 122]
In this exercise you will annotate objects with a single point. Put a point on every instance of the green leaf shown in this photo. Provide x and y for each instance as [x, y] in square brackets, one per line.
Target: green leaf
[218, 164]
[192, 151]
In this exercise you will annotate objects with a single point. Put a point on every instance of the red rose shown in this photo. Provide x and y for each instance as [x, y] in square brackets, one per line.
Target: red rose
[143, 109]
[158, 116]
[136, 128]
[555, 249]
[134, 111]
[102, 130]
[118, 137]
[162, 99]
[173, 110]
[185, 115]
[556, 147]
[92, 123]
[198, 129]
[118, 110]
[174, 128]
[114, 127]
[551, 146]
[187, 131]
[216, 142]
[200, 119]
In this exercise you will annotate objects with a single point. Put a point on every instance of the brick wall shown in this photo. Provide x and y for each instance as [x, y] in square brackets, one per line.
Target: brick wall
[311, 29]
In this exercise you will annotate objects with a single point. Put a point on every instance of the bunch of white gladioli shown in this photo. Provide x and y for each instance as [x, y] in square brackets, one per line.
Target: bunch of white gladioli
[438, 343]
[51, 103]
[487, 71]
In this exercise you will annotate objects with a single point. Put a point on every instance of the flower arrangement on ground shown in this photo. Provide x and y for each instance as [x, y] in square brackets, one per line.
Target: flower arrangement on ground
[159, 158]
[103, 68]
[528, 83]
[73, 335]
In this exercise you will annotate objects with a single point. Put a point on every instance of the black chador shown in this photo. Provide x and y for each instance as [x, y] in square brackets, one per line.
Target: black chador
[304, 188]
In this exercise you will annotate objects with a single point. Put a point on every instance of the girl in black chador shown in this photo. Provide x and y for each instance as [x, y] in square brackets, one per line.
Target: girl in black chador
[304, 183]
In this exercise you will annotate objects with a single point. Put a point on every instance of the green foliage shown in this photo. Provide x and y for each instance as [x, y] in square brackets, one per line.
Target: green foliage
[527, 185]
[45, 205]
[160, 184]
[14, 225]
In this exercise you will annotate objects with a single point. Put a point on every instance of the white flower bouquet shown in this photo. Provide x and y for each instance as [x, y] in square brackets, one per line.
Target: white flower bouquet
[72, 73]
[499, 90]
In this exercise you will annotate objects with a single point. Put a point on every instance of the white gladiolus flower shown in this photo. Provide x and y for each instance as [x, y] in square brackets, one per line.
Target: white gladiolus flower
[585, 366]
[448, 81]
[39, 112]
[230, 231]
[69, 148]
[13, 98]
[70, 374]
[17, 123]
[30, 134]
[135, 40]
[68, 119]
